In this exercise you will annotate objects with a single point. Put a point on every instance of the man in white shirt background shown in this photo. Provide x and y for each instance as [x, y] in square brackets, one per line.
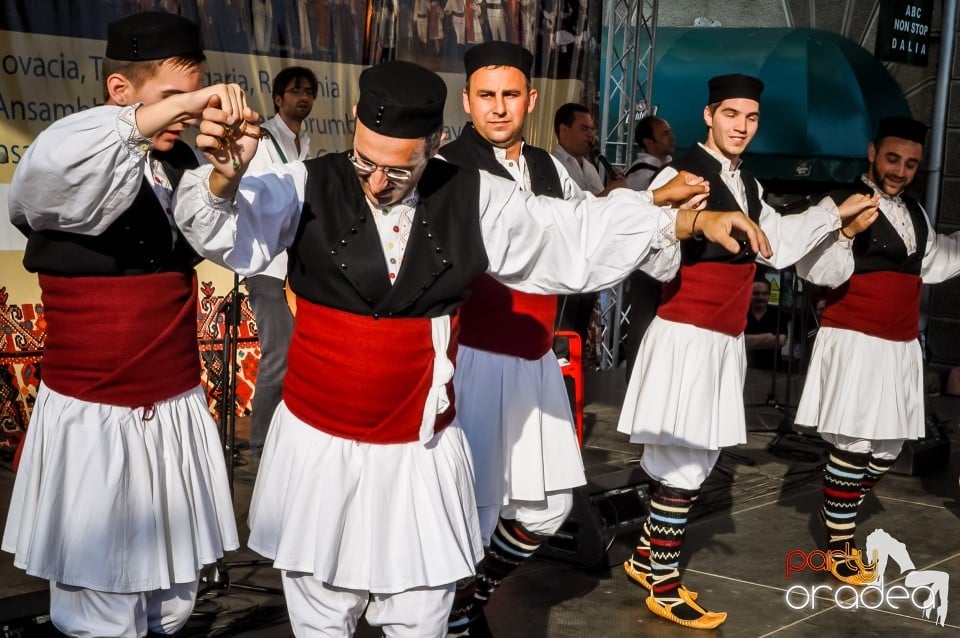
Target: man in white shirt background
[642, 293]
[576, 137]
[284, 139]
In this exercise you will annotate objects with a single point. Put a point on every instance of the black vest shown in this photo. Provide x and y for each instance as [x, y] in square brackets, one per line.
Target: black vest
[880, 247]
[336, 259]
[139, 242]
[473, 151]
[701, 163]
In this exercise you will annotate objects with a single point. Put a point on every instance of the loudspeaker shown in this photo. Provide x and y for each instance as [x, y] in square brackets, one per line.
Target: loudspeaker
[926, 455]
[616, 499]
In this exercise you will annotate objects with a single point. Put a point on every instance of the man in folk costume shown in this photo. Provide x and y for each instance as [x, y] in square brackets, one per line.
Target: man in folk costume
[510, 396]
[864, 386]
[376, 507]
[684, 401]
[121, 495]
[284, 139]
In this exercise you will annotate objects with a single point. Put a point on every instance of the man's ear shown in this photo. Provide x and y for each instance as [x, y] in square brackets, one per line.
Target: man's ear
[277, 101]
[120, 90]
[533, 100]
[708, 116]
[871, 153]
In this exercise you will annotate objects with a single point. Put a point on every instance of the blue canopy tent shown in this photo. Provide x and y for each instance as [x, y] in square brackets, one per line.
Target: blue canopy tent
[823, 98]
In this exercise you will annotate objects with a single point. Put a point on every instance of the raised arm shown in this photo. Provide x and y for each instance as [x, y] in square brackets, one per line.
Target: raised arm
[85, 170]
[545, 245]
[239, 222]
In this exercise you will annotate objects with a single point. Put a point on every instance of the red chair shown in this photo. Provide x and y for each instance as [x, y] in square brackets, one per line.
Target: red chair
[574, 369]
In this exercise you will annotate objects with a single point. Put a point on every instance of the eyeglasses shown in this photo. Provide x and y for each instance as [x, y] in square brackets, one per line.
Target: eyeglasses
[367, 168]
[301, 90]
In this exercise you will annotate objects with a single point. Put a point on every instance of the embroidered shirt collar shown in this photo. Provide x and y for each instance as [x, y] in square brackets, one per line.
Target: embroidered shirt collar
[876, 189]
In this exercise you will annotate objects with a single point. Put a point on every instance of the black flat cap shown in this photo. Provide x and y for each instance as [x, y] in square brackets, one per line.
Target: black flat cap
[153, 35]
[902, 127]
[401, 99]
[498, 54]
[734, 86]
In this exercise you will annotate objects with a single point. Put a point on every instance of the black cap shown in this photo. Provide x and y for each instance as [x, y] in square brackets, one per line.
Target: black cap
[401, 99]
[153, 35]
[498, 54]
[733, 86]
[902, 127]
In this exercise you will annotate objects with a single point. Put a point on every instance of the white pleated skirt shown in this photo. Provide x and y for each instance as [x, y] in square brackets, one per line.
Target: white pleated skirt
[686, 388]
[382, 518]
[107, 500]
[516, 415]
[863, 387]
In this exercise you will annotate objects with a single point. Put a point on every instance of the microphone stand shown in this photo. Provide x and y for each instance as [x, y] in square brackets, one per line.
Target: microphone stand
[218, 574]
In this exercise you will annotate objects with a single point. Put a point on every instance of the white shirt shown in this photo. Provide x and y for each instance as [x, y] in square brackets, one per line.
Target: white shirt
[540, 245]
[520, 172]
[832, 263]
[639, 179]
[281, 146]
[791, 236]
[278, 148]
[583, 173]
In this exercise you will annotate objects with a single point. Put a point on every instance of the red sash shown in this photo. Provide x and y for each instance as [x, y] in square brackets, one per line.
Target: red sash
[498, 319]
[128, 341]
[882, 304]
[710, 295]
[362, 378]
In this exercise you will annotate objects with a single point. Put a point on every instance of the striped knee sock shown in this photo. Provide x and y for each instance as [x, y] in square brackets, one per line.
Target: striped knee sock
[510, 546]
[842, 482]
[640, 560]
[464, 608]
[876, 468]
[669, 508]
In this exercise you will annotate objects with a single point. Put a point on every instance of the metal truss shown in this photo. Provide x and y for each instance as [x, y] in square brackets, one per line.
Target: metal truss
[626, 93]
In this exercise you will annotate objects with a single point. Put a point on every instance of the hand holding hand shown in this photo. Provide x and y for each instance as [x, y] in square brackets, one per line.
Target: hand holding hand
[856, 204]
[685, 190]
[862, 220]
[229, 132]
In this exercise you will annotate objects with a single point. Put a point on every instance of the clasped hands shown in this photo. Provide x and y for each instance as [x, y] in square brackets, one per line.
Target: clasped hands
[688, 192]
[229, 130]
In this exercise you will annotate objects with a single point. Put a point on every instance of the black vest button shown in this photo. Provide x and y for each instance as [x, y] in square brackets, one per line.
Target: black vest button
[343, 242]
[344, 266]
[376, 315]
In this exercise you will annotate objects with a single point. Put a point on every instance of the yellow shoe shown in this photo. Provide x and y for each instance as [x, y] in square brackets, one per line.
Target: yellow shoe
[643, 578]
[707, 619]
[862, 573]
[637, 576]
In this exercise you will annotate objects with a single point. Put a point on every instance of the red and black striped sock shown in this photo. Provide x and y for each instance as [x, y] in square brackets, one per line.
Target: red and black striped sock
[842, 484]
[669, 508]
[510, 546]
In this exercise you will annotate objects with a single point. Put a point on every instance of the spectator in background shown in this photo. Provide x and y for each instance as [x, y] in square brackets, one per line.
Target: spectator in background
[763, 335]
[654, 135]
[283, 139]
[642, 292]
[576, 134]
[576, 137]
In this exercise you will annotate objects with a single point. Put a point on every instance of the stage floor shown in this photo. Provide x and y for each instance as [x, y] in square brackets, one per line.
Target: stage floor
[756, 509]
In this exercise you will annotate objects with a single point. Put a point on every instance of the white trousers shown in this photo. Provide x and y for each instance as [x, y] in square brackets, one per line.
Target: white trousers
[888, 449]
[540, 517]
[86, 613]
[319, 609]
[676, 466]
